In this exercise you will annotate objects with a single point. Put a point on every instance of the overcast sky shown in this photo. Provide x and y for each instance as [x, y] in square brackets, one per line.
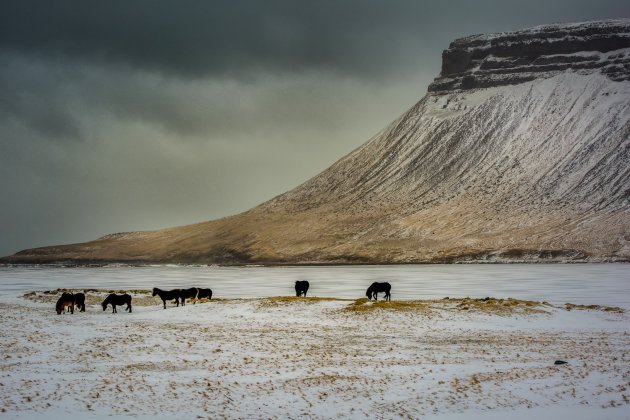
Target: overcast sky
[137, 115]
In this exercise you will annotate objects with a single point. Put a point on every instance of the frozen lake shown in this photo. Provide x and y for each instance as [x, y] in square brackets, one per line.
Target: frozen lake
[602, 284]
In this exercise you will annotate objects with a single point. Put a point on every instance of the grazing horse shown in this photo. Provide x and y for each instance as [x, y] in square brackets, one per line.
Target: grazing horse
[301, 287]
[114, 300]
[65, 301]
[167, 295]
[376, 288]
[79, 301]
[202, 294]
[187, 294]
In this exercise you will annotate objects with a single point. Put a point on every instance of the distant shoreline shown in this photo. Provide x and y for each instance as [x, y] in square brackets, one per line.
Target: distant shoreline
[323, 264]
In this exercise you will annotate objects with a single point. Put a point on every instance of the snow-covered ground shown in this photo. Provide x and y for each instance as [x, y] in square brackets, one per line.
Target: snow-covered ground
[314, 358]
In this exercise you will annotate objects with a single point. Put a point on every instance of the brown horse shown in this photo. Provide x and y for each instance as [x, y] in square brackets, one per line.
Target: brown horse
[65, 301]
[376, 288]
[202, 294]
[167, 295]
[114, 299]
[190, 294]
[79, 301]
[301, 287]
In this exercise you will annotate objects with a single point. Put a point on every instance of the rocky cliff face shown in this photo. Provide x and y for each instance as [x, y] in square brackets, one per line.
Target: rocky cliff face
[520, 151]
[514, 57]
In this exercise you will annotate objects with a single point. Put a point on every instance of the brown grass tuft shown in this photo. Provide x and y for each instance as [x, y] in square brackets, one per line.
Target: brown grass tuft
[571, 306]
[364, 305]
[291, 300]
[496, 306]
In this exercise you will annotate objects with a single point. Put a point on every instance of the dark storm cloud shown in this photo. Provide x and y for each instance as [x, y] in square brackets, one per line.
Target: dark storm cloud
[199, 38]
[26, 93]
[192, 38]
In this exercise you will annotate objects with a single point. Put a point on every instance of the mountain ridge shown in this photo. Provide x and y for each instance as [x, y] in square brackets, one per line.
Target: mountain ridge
[497, 162]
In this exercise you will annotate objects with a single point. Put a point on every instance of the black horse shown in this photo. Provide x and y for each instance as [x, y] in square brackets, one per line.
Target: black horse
[301, 287]
[187, 294]
[167, 295]
[377, 288]
[79, 301]
[114, 300]
[65, 301]
[202, 294]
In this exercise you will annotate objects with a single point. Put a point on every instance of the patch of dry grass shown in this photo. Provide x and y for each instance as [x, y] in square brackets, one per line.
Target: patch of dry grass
[571, 306]
[291, 300]
[496, 306]
[511, 306]
[365, 305]
[487, 305]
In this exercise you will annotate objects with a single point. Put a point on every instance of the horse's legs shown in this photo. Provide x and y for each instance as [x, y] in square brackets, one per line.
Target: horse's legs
[114, 311]
[164, 302]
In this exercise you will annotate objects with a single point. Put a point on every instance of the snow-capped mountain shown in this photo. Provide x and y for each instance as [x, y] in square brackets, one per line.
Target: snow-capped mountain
[520, 151]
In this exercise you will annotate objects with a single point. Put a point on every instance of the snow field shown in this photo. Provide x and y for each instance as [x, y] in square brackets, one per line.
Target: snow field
[314, 358]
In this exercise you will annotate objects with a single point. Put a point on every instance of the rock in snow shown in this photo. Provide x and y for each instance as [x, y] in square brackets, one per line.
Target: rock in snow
[520, 151]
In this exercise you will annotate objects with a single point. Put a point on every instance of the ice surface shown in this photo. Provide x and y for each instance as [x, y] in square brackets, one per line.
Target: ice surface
[601, 284]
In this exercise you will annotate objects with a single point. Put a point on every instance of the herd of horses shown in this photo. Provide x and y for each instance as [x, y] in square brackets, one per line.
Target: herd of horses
[180, 295]
[68, 301]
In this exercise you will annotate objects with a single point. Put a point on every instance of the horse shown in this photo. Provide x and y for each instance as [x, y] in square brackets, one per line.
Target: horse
[376, 288]
[79, 301]
[167, 295]
[187, 294]
[114, 299]
[202, 294]
[65, 301]
[301, 287]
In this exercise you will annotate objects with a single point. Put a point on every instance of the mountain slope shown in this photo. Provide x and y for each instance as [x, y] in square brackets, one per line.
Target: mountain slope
[519, 151]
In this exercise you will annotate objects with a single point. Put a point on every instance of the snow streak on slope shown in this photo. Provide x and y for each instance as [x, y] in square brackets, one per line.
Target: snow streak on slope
[470, 167]
[551, 137]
